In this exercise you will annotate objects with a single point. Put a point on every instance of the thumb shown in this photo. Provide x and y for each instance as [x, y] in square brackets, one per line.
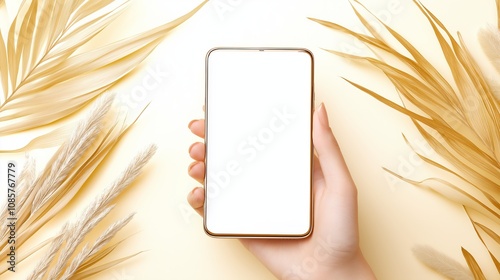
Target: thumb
[330, 157]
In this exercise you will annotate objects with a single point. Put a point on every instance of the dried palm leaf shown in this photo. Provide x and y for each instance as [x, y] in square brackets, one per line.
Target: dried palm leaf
[498, 13]
[476, 227]
[100, 268]
[462, 125]
[44, 72]
[50, 139]
[473, 266]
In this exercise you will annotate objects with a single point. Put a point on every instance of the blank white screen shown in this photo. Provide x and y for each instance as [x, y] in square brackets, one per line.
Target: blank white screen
[258, 112]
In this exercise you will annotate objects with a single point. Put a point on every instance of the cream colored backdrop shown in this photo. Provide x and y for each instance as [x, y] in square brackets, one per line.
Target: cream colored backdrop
[394, 216]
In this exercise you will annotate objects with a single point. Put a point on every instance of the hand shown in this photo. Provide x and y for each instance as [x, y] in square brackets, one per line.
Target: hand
[332, 250]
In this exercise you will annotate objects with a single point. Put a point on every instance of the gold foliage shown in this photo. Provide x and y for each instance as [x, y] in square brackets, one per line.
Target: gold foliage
[460, 119]
[73, 234]
[45, 74]
[473, 266]
[57, 185]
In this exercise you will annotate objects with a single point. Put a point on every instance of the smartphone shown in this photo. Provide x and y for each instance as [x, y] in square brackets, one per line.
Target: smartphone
[258, 135]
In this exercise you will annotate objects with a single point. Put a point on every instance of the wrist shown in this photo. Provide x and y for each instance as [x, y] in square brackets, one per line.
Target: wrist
[355, 268]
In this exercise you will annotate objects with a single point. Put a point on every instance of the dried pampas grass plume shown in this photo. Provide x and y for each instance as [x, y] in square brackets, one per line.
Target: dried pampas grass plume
[490, 41]
[442, 264]
[45, 195]
[73, 234]
[71, 151]
[91, 250]
[459, 118]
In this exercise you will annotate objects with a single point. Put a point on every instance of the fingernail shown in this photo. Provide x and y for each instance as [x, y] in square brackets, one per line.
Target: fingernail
[190, 123]
[192, 192]
[191, 166]
[190, 148]
[323, 116]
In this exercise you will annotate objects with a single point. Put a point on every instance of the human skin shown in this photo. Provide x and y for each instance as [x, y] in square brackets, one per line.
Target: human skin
[332, 250]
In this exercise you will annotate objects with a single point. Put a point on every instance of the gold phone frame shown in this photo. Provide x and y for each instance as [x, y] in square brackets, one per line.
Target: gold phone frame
[311, 203]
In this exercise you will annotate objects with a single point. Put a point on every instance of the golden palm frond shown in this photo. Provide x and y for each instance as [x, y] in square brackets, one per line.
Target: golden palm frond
[462, 125]
[473, 265]
[45, 74]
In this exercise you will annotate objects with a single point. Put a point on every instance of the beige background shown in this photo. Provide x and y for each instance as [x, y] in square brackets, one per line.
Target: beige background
[394, 216]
